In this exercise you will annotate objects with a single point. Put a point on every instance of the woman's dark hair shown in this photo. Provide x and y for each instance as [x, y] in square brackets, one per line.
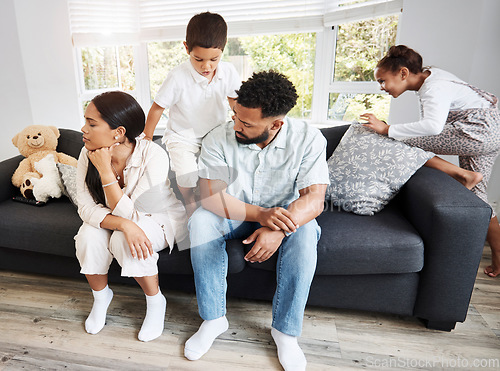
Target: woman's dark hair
[270, 91]
[206, 30]
[117, 109]
[401, 56]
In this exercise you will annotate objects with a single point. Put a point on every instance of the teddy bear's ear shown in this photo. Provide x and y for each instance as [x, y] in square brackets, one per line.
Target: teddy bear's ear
[55, 130]
[14, 140]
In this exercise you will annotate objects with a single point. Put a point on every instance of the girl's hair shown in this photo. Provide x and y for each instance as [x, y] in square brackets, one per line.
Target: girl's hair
[206, 30]
[117, 109]
[401, 56]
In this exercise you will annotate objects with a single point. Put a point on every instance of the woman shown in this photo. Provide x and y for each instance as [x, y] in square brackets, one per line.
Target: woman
[456, 119]
[128, 209]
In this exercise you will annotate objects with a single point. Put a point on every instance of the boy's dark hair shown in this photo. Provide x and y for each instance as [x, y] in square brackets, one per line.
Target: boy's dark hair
[206, 30]
[270, 91]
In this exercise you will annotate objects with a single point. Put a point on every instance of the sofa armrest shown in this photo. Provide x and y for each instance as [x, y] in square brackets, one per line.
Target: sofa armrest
[7, 168]
[452, 221]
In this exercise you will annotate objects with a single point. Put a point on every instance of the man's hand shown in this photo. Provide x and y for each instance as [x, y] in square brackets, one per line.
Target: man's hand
[267, 242]
[375, 124]
[138, 242]
[276, 219]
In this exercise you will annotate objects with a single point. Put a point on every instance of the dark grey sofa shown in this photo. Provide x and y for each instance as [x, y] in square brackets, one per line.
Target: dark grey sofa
[417, 257]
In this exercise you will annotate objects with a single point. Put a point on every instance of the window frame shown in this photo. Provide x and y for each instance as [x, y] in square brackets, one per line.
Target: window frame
[326, 45]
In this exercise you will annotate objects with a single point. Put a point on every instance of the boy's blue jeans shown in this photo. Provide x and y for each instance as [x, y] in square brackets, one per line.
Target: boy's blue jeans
[294, 270]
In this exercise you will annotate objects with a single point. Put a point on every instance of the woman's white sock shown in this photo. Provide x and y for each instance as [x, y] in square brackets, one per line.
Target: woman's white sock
[154, 322]
[97, 317]
[290, 355]
[198, 344]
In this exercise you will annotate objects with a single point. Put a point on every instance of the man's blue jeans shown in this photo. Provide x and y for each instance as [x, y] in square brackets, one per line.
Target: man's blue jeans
[294, 270]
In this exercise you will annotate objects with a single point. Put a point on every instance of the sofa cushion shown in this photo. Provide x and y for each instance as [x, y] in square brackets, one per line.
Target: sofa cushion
[68, 177]
[368, 169]
[351, 244]
[379, 244]
[48, 229]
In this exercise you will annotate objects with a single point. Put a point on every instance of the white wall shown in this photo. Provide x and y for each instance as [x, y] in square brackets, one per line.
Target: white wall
[14, 99]
[461, 36]
[36, 70]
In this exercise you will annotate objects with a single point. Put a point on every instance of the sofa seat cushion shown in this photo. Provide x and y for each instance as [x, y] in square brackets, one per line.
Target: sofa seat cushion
[380, 244]
[48, 229]
[179, 261]
[350, 244]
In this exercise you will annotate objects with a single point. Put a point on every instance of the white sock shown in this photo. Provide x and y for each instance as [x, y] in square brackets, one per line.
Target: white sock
[198, 344]
[289, 353]
[97, 317]
[154, 322]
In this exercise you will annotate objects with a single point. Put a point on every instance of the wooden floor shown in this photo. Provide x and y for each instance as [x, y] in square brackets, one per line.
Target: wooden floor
[41, 328]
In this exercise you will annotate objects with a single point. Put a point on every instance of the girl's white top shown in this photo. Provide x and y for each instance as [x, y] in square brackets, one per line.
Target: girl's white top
[438, 95]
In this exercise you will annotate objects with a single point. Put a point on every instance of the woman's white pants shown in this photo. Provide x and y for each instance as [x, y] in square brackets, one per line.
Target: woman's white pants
[96, 248]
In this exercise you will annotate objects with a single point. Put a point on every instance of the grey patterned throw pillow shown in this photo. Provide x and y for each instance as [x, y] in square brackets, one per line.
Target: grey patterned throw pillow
[367, 170]
[68, 177]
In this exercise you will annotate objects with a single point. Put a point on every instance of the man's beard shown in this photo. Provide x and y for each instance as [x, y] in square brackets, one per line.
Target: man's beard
[258, 139]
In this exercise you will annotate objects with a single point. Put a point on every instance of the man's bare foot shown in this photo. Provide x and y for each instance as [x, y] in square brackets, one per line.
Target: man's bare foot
[470, 178]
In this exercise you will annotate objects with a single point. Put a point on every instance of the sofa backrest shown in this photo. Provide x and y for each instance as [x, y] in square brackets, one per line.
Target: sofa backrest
[333, 136]
[70, 142]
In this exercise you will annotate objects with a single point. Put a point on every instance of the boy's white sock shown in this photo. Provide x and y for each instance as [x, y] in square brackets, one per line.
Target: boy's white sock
[154, 322]
[289, 353]
[198, 344]
[97, 317]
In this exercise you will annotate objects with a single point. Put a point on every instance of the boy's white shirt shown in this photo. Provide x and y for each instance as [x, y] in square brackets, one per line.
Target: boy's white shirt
[195, 105]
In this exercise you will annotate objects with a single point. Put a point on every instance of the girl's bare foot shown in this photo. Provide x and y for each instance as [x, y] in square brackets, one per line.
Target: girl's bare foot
[470, 178]
[493, 270]
[493, 238]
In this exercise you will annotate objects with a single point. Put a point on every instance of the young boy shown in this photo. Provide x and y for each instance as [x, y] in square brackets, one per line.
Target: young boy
[195, 93]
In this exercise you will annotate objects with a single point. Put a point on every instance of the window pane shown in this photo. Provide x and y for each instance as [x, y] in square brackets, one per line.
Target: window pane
[348, 106]
[99, 68]
[108, 67]
[360, 45]
[85, 103]
[291, 54]
[163, 57]
[127, 72]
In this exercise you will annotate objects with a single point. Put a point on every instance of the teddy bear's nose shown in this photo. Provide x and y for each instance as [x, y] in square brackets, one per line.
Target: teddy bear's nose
[35, 137]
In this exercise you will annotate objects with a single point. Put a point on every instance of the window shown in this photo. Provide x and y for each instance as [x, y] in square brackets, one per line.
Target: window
[291, 54]
[106, 68]
[328, 48]
[359, 46]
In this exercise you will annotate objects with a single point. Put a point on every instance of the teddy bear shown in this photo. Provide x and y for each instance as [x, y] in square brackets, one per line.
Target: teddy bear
[37, 143]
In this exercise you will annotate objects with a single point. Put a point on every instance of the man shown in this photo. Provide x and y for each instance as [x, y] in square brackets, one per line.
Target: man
[262, 178]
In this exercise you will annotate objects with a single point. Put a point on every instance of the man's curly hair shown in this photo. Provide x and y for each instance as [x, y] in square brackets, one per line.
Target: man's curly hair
[270, 91]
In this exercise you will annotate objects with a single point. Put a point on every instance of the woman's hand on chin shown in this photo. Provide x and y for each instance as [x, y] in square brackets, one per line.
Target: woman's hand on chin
[101, 158]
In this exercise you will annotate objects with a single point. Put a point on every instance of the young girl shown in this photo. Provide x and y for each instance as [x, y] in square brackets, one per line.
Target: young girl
[128, 209]
[456, 119]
